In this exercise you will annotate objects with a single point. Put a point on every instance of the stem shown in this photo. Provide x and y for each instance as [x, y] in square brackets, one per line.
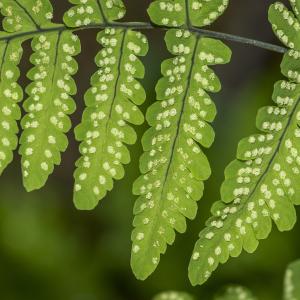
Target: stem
[147, 26]
[240, 39]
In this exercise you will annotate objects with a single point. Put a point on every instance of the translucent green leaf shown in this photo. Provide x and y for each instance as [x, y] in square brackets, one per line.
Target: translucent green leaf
[11, 93]
[26, 15]
[296, 7]
[259, 187]
[18, 17]
[235, 293]
[285, 25]
[86, 12]
[175, 13]
[172, 295]
[174, 165]
[112, 103]
[263, 183]
[292, 282]
[48, 105]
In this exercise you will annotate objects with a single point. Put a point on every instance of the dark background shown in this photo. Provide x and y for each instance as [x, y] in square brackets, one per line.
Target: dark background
[48, 250]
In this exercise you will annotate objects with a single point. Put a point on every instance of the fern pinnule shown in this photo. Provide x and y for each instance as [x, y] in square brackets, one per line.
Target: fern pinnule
[262, 184]
[235, 293]
[173, 295]
[94, 12]
[111, 101]
[174, 166]
[26, 15]
[292, 281]
[48, 106]
[11, 93]
[175, 13]
[111, 104]
[18, 17]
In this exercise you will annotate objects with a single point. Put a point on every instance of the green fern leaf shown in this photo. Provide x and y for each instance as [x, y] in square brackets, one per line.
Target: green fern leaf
[93, 12]
[172, 295]
[49, 100]
[235, 293]
[262, 184]
[173, 164]
[173, 13]
[26, 15]
[11, 93]
[19, 17]
[292, 282]
[111, 104]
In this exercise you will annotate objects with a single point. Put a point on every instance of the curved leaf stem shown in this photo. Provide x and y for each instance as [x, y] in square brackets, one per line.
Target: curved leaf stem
[148, 26]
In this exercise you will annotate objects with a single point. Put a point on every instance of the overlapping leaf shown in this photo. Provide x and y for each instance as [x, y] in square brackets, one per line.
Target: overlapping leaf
[262, 184]
[173, 13]
[174, 165]
[48, 105]
[112, 102]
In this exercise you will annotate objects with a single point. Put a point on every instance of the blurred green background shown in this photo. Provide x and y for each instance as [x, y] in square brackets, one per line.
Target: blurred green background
[48, 250]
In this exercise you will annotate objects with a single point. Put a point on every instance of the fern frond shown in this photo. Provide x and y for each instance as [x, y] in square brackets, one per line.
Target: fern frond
[262, 184]
[172, 295]
[94, 12]
[19, 16]
[49, 100]
[235, 293]
[111, 104]
[175, 13]
[292, 282]
[174, 165]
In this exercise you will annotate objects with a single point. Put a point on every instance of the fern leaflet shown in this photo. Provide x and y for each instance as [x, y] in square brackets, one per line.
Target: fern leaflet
[229, 293]
[111, 104]
[49, 100]
[93, 12]
[291, 289]
[173, 165]
[48, 105]
[292, 282]
[172, 295]
[235, 293]
[262, 184]
[175, 13]
[19, 17]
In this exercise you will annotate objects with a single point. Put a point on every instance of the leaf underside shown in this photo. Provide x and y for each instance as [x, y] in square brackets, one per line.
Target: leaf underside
[174, 165]
[262, 184]
[18, 17]
[112, 103]
[91, 12]
[48, 105]
[175, 13]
